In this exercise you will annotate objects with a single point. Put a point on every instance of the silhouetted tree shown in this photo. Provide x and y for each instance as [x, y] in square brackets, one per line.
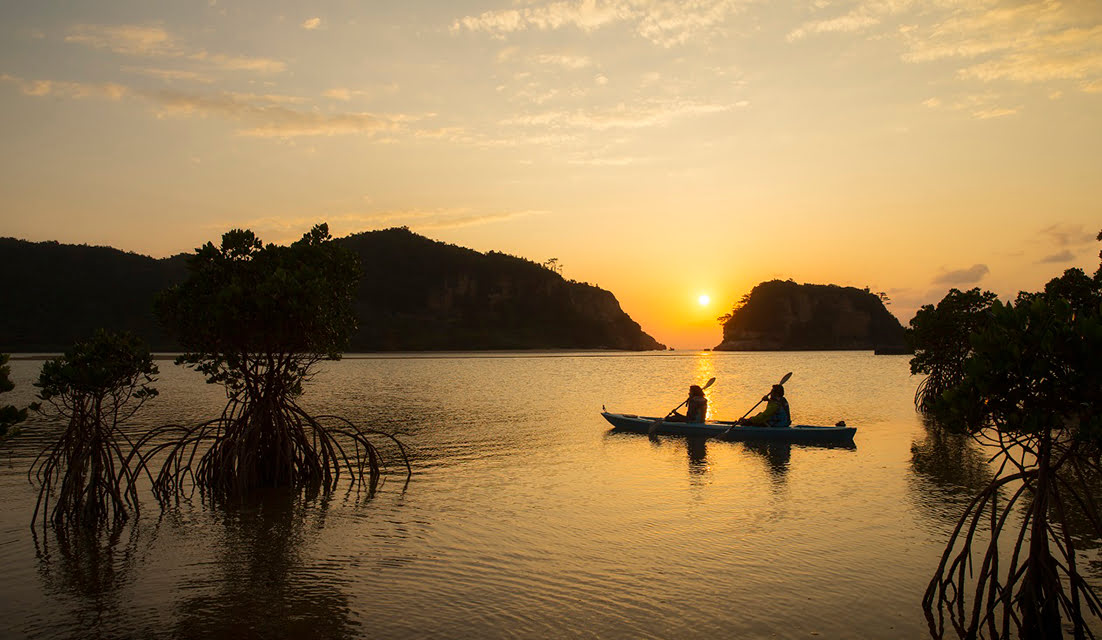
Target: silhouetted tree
[257, 319]
[95, 387]
[9, 415]
[940, 337]
[1030, 385]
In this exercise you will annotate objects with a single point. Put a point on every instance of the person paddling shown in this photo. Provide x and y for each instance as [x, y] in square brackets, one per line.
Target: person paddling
[776, 413]
[696, 409]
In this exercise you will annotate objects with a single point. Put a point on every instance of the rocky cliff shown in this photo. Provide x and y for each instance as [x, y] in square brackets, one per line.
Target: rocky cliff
[783, 315]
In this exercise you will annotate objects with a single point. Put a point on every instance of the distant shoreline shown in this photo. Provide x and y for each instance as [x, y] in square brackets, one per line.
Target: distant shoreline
[504, 353]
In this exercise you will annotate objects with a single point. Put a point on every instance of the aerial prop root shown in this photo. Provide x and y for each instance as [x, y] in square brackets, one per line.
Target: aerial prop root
[85, 479]
[257, 444]
[1035, 584]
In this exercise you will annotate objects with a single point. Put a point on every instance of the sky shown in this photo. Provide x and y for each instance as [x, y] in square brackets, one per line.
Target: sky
[661, 149]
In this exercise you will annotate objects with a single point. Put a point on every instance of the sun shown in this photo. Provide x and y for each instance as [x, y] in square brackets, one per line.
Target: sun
[704, 300]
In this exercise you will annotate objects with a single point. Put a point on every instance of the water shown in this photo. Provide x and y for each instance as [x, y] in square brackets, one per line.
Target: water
[526, 517]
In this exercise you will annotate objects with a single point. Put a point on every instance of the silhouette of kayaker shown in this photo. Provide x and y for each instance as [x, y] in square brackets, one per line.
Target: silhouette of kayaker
[696, 407]
[775, 414]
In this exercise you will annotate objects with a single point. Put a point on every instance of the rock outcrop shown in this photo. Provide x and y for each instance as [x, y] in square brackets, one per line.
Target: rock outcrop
[786, 316]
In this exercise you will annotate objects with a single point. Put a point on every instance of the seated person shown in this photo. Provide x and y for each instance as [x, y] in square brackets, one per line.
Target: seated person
[776, 413]
[696, 407]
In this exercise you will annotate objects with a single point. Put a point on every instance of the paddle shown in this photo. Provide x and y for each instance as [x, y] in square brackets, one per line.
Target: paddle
[783, 380]
[657, 422]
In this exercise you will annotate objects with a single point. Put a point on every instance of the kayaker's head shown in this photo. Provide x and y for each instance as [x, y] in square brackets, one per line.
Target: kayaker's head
[695, 390]
[777, 392]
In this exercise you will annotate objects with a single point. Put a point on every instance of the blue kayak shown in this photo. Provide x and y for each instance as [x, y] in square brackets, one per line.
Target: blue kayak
[729, 430]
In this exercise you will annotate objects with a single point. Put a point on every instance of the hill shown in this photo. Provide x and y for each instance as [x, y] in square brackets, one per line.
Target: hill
[786, 316]
[416, 294]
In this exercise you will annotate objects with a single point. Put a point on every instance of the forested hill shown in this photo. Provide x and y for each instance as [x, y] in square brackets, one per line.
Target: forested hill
[783, 315]
[416, 294]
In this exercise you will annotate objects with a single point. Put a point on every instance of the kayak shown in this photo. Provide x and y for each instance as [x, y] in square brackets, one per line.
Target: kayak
[730, 430]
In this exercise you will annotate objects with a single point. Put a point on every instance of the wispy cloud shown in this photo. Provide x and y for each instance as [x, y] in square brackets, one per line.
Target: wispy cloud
[1029, 41]
[290, 227]
[563, 60]
[1060, 257]
[664, 22]
[260, 115]
[848, 23]
[998, 112]
[268, 116]
[171, 75]
[1068, 235]
[1026, 42]
[338, 94]
[311, 23]
[971, 275]
[74, 90]
[623, 116]
[127, 39]
[152, 41]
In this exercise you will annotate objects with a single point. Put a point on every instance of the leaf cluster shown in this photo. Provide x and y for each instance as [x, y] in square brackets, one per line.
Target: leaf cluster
[289, 305]
[112, 368]
[1024, 367]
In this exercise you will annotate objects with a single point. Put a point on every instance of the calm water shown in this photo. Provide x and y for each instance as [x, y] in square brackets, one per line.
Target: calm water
[526, 517]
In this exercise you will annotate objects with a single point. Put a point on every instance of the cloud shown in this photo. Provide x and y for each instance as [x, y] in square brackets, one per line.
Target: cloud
[623, 116]
[311, 23]
[238, 63]
[129, 39]
[338, 94]
[260, 115]
[985, 114]
[155, 42]
[291, 227]
[1027, 41]
[971, 275]
[853, 21]
[1068, 235]
[267, 116]
[170, 74]
[1030, 42]
[74, 90]
[663, 22]
[565, 61]
[1062, 256]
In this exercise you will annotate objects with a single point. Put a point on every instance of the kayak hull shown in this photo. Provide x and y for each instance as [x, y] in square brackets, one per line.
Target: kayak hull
[729, 430]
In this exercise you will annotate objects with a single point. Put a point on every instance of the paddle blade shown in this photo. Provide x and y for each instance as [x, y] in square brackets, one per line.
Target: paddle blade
[785, 378]
[712, 381]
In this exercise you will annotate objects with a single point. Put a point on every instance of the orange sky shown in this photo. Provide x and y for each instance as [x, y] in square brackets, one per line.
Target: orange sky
[659, 149]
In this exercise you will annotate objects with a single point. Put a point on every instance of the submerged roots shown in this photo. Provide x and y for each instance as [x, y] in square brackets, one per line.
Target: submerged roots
[86, 479]
[1028, 590]
[263, 444]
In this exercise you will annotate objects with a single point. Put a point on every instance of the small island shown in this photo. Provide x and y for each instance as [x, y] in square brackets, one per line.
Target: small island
[782, 315]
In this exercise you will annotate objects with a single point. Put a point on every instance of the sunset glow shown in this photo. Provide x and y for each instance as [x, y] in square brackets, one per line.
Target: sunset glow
[704, 300]
[903, 147]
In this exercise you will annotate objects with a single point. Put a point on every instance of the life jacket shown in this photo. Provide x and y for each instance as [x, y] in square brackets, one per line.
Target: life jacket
[783, 416]
[697, 410]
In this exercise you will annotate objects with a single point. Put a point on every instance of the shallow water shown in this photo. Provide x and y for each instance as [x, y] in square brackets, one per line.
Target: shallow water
[526, 517]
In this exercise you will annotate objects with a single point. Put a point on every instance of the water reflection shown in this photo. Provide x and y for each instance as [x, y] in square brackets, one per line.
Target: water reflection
[949, 469]
[262, 587]
[697, 448]
[777, 456]
[90, 566]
